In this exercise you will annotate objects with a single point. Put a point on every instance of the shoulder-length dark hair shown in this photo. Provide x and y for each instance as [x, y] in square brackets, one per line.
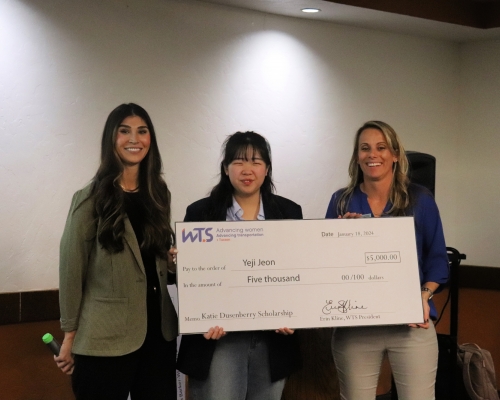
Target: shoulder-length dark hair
[399, 195]
[108, 197]
[240, 145]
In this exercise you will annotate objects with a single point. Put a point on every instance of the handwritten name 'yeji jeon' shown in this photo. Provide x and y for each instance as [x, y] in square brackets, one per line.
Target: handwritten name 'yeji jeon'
[251, 263]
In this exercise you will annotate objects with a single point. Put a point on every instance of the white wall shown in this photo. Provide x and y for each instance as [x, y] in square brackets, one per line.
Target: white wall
[478, 167]
[203, 72]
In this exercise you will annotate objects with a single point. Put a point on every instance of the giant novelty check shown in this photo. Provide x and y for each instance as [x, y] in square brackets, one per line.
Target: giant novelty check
[255, 275]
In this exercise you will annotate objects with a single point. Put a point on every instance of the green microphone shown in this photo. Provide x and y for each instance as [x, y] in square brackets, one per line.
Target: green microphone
[51, 343]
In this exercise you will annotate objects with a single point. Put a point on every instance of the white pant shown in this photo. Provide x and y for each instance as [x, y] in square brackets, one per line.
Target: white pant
[412, 352]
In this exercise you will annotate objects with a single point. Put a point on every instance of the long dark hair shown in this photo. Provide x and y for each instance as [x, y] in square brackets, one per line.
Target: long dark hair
[399, 195]
[236, 146]
[108, 197]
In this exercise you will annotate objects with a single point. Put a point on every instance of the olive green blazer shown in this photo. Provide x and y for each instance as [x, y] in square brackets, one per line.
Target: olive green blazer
[102, 295]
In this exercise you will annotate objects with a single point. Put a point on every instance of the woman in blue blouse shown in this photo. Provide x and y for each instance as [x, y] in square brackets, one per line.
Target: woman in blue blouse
[379, 187]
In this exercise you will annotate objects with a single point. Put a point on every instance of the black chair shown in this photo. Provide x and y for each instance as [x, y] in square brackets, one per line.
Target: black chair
[449, 382]
[422, 169]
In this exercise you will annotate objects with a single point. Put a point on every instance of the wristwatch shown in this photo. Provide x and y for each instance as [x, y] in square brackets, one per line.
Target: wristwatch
[426, 289]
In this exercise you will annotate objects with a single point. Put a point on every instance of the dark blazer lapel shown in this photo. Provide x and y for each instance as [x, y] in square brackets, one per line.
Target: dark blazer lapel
[271, 211]
[131, 240]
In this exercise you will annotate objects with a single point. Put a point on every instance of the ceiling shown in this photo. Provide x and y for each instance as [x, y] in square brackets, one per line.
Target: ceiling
[456, 20]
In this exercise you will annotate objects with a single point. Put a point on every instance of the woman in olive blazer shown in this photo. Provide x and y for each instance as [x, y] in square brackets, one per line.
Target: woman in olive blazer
[118, 320]
[103, 294]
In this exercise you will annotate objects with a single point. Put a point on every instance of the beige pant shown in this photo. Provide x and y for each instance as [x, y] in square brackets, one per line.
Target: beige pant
[412, 352]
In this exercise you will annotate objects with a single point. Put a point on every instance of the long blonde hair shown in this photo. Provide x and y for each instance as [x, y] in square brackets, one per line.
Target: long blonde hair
[399, 195]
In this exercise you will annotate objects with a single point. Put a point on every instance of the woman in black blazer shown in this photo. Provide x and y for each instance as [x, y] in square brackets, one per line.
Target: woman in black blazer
[242, 365]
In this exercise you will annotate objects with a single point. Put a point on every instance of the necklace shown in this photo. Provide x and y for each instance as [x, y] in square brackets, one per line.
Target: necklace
[129, 190]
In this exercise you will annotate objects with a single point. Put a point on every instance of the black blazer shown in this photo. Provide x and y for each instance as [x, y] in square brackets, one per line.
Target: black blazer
[195, 352]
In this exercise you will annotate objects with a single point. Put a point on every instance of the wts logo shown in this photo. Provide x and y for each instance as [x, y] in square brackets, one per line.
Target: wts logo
[197, 234]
